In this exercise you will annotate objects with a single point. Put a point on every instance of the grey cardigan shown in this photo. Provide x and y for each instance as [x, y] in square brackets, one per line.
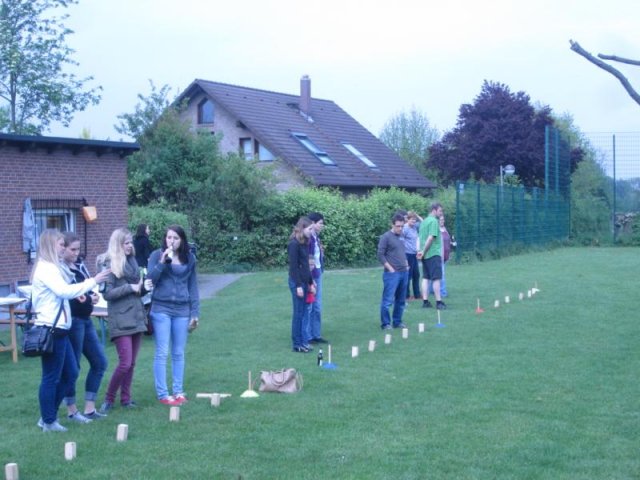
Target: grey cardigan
[125, 311]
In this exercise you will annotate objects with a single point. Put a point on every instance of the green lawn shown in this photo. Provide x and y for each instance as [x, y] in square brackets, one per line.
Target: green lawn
[544, 388]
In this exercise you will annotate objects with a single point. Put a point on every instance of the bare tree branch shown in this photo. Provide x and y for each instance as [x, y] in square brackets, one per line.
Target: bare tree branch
[575, 46]
[615, 58]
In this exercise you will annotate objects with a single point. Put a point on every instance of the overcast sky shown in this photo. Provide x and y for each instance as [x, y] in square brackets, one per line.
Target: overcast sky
[372, 58]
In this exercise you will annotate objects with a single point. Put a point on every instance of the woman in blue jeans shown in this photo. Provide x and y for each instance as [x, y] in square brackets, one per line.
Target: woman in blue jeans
[50, 293]
[175, 309]
[300, 281]
[83, 336]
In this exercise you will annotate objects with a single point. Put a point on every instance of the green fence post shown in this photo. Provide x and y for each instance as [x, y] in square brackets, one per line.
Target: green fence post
[459, 185]
[498, 191]
[477, 239]
[614, 189]
[557, 155]
[546, 160]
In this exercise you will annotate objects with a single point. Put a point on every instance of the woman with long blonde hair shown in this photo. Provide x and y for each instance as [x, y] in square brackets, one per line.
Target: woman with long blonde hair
[126, 316]
[51, 292]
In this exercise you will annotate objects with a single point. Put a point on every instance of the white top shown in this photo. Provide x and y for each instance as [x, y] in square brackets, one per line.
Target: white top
[49, 289]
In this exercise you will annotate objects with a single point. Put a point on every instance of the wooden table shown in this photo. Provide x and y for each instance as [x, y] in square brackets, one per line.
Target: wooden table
[10, 303]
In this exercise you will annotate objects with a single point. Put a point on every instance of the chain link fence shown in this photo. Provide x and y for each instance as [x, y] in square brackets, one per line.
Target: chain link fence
[493, 220]
[618, 154]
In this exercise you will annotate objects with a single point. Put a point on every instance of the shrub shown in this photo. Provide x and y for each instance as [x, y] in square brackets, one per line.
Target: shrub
[158, 217]
[354, 225]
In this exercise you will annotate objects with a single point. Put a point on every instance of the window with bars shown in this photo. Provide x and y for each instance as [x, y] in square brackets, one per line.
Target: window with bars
[65, 214]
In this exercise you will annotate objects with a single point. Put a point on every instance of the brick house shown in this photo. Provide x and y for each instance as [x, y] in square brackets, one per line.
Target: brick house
[309, 140]
[60, 176]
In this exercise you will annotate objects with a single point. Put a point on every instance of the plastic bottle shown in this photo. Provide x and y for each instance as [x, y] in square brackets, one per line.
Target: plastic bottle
[320, 358]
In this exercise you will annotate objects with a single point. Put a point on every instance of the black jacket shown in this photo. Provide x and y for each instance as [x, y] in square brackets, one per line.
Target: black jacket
[299, 270]
[78, 308]
[142, 246]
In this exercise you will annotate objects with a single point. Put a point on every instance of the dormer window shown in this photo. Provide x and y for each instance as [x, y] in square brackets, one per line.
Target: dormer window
[359, 154]
[309, 145]
[205, 111]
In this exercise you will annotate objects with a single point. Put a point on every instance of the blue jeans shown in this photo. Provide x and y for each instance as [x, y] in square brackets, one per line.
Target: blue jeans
[84, 340]
[175, 330]
[394, 292]
[300, 310]
[314, 324]
[59, 373]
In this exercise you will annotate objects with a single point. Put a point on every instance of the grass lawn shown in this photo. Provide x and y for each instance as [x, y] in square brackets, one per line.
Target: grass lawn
[544, 388]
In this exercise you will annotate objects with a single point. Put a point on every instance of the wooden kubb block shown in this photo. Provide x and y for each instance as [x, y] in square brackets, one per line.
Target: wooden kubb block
[70, 450]
[11, 471]
[174, 414]
[122, 432]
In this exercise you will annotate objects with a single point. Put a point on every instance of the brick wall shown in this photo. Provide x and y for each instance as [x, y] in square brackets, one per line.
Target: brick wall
[59, 173]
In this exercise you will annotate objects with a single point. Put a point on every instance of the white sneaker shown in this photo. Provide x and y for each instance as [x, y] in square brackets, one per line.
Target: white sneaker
[40, 423]
[53, 427]
[78, 417]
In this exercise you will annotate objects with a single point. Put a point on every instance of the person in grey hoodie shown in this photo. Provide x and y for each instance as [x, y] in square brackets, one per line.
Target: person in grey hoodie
[175, 310]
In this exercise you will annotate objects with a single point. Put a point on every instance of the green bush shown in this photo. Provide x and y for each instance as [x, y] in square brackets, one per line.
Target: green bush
[158, 217]
[353, 226]
[590, 205]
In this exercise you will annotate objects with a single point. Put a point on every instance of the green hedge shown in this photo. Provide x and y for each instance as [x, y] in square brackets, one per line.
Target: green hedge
[158, 217]
[353, 225]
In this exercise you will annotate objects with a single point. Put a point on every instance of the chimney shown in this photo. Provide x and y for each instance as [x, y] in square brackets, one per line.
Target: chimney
[305, 95]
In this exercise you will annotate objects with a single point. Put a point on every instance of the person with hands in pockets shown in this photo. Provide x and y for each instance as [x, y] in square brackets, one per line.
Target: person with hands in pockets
[175, 309]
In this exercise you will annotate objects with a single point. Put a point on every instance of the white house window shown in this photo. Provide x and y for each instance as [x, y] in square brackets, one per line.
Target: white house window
[63, 219]
[359, 154]
[264, 155]
[246, 148]
[309, 145]
[205, 111]
[251, 149]
[62, 214]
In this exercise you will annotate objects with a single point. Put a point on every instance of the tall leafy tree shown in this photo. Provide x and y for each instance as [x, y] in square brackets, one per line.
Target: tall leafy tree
[147, 112]
[34, 59]
[410, 134]
[499, 128]
[186, 171]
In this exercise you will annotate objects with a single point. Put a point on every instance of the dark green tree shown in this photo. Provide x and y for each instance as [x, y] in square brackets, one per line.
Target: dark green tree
[34, 81]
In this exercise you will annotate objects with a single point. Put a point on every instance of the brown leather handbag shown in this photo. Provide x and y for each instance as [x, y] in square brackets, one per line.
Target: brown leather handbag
[287, 380]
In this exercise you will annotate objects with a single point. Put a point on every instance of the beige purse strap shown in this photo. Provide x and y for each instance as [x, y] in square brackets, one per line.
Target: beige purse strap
[278, 377]
[299, 381]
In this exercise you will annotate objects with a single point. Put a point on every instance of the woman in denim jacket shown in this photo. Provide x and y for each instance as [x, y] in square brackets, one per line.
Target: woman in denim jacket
[175, 309]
